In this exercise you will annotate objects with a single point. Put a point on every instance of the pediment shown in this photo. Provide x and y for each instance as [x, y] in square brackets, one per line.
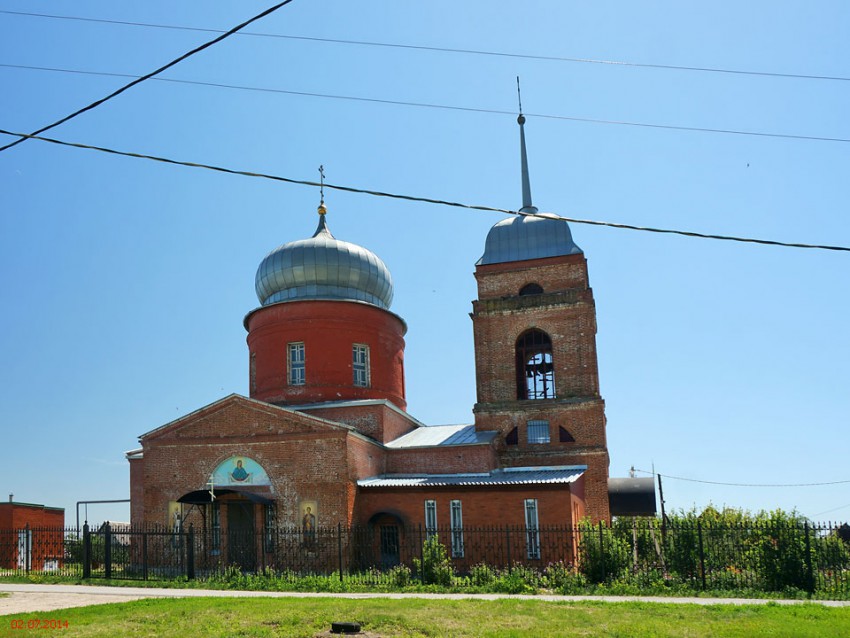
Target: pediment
[238, 416]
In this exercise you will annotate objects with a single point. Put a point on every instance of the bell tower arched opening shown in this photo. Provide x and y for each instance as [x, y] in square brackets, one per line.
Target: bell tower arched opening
[535, 369]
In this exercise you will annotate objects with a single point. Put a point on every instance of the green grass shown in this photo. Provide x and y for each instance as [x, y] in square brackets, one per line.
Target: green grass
[212, 617]
[235, 580]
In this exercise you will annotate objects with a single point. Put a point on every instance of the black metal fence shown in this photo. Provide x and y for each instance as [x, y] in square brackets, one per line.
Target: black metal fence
[807, 557]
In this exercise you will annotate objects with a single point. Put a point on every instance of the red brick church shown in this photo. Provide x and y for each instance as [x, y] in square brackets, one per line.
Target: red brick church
[325, 438]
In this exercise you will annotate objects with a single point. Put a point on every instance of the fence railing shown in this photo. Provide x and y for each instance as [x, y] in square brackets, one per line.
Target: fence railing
[701, 556]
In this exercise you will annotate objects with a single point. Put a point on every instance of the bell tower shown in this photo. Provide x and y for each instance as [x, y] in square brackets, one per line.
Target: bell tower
[534, 325]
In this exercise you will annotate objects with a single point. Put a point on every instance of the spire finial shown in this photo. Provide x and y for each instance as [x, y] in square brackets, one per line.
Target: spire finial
[322, 209]
[519, 100]
[527, 206]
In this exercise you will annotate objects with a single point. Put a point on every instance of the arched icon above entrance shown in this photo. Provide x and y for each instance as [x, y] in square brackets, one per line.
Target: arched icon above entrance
[239, 470]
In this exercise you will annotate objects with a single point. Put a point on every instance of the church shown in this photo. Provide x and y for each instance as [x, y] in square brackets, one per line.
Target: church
[324, 437]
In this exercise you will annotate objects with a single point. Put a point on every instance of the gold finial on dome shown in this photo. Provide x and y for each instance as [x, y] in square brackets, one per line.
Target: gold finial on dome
[322, 209]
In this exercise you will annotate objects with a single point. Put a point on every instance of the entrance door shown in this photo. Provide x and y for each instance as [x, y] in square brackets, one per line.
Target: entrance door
[389, 546]
[240, 535]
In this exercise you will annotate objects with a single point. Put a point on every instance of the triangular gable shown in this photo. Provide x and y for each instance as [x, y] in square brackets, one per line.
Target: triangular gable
[235, 415]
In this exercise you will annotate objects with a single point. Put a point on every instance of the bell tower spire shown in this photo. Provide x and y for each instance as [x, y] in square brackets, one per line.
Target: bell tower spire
[527, 206]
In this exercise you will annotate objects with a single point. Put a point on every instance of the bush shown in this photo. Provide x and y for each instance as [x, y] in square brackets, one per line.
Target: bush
[518, 580]
[482, 575]
[435, 567]
[603, 556]
[400, 576]
[559, 574]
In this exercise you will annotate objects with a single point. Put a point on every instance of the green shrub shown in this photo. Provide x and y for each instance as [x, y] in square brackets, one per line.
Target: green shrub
[603, 556]
[482, 575]
[517, 580]
[435, 567]
[559, 575]
[400, 576]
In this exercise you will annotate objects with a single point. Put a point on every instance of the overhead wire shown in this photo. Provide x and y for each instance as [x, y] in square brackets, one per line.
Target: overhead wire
[693, 480]
[396, 45]
[428, 200]
[147, 76]
[431, 105]
[829, 511]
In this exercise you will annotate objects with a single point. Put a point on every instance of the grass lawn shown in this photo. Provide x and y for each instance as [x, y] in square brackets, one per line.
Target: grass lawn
[208, 617]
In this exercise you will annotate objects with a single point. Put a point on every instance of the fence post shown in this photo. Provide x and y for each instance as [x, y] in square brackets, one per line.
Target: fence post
[144, 555]
[421, 554]
[339, 548]
[190, 553]
[27, 548]
[508, 545]
[107, 551]
[810, 576]
[701, 554]
[602, 551]
[86, 550]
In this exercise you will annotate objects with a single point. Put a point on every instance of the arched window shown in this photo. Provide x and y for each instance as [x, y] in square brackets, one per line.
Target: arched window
[564, 435]
[531, 289]
[535, 373]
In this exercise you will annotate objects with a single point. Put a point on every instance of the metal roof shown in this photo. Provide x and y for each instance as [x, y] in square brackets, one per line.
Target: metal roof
[508, 476]
[323, 267]
[527, 237]
[441, 435]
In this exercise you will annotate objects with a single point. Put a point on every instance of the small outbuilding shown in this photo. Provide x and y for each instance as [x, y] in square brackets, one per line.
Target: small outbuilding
[31, 536]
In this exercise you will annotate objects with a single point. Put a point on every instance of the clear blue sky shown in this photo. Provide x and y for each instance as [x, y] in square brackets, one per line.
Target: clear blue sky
[124, 282]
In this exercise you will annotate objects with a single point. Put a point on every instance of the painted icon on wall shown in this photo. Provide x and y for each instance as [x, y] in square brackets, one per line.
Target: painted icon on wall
[239, 470]
[175, 515]
[308, 522]
[239, 473]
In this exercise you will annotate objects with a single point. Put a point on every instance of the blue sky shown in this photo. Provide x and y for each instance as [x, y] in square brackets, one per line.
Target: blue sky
[124, 282]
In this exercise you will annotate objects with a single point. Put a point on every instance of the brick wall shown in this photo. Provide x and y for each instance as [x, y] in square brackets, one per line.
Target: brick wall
[571, 326]
[328, 329]
[137, 490]
[376, 420]
[19, 515]
[442, 460]
[481, 506]
[554, 274]
[304, 458]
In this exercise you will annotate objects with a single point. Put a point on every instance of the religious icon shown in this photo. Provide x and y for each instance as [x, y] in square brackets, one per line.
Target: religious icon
[239, 470]
[308, 522]
[239, 474]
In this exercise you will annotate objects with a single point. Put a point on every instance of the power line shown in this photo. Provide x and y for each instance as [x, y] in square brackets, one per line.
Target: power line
[395, 45]
[150, 75]
[693, 480]
[834, 509]
[431, 105]
[429, 200]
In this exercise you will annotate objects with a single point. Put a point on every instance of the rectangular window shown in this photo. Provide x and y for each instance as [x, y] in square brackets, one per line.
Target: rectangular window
[295, 360]
[430, 518]
[360, 365]
[457, 530]
[253, 372]
[532, 534]
[538, 431]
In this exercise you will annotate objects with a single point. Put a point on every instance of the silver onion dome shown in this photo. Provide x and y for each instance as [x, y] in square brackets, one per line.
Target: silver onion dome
[527, 237]
[323, 267]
